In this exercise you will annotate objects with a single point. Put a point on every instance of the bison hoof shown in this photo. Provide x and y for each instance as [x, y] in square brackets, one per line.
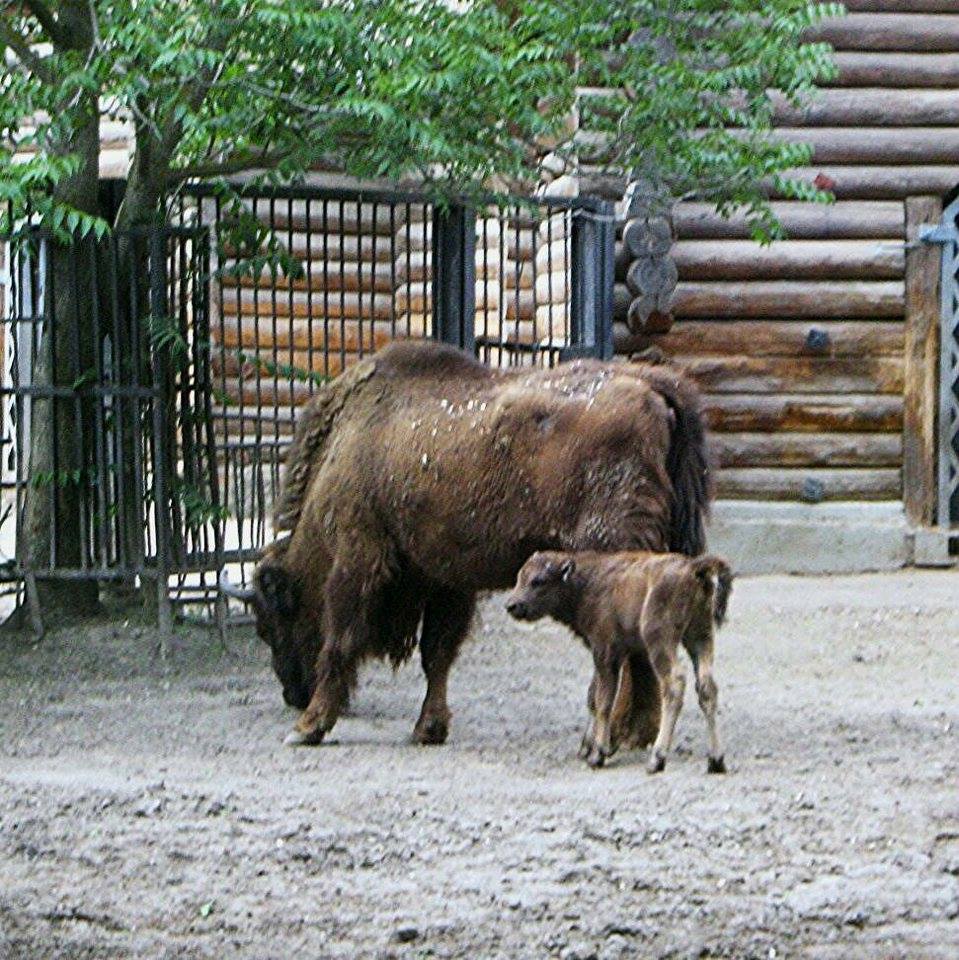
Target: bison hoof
[656, 763]
[431, 732]
[716, 765]
[596, 757]
[304, 738]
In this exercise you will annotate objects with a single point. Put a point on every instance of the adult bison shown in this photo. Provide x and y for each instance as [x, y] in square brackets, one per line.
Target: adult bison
[420, 477]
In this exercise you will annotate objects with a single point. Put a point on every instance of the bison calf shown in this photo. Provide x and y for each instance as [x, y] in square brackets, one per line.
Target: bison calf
[621, 603]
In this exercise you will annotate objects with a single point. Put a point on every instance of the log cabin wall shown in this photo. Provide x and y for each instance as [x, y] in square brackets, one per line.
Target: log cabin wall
[817, 354]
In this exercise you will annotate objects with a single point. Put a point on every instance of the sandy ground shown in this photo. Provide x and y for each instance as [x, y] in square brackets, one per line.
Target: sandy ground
[151, 811]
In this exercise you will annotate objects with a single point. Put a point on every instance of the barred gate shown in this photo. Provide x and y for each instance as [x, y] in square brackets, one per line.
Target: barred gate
[181, 397]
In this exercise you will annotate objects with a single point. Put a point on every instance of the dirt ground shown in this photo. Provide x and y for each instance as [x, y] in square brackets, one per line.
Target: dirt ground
[151, 811]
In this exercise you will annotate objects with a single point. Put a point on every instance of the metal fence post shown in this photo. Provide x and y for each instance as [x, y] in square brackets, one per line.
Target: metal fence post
[606, 241]
[454, 276]
[592, 239]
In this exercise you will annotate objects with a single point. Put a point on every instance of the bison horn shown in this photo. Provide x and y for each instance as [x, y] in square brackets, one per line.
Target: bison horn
[228, 589]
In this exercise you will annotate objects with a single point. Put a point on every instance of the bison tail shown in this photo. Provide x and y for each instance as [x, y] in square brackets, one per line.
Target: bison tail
[687, 462]
[706, 567]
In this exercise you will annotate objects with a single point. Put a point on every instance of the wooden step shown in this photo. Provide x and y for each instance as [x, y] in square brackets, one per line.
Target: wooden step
[789, 260]
[772, 338]
[857, 413]
[883, 69]
[922, 32]
[793, 299]
[760, 483]
[806, 449]
[772, 375]
[801, 221]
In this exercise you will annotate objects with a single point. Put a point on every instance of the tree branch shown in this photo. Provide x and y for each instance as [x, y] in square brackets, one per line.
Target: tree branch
[44, 15]
[25, 55]
[240, 164]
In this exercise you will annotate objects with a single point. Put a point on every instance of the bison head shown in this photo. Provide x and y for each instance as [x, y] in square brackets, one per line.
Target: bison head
[282, 625]
[541, 586]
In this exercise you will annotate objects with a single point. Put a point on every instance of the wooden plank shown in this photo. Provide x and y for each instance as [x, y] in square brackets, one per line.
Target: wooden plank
[806, 449]
[920, 395]
[876, 145]
[879, 107]
[890, 31]
[762, 483]
[857, 413]
[801, 221]
[745, 374]
[795, 299]
[879, 69]
[854, 182]
[772, 338]
[789, 259]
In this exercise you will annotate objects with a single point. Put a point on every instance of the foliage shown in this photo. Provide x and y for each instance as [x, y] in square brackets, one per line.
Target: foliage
[455, 94]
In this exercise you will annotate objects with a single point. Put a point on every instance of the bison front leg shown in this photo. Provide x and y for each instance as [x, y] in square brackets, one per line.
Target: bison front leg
[446, 621]
[347, 610]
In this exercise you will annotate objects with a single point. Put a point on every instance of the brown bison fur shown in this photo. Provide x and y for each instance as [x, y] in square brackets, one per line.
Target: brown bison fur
[420, 477]
[622, 603]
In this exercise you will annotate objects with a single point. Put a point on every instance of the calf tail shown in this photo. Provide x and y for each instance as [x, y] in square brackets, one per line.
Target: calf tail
[706, 567]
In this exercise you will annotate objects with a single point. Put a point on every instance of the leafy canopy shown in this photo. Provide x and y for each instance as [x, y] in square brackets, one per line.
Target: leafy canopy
[451, 93]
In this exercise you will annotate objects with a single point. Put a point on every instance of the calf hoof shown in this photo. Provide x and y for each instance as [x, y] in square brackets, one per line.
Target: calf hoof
[304, 738]
[656, 763]
[716, 765]
[431, 731]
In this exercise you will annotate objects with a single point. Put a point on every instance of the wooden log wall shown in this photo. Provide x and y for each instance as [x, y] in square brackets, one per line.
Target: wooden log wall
[817, 355]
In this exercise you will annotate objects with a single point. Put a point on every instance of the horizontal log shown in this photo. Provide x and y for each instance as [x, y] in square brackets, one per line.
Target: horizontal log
[809, 484]
[747, 374]
[322, 247]
[880, 182]
[794, 299]
[329, 276]
[350, 335]
[801, 221]
[876, 145]
[772, 338]
[263, 391]
[890, 31]
[418, 297]
[806, 449]
[881, 69]
[857, 413]
[790, 259]
[553, 287]
[247, 304]
[900, 6]
[871, 108]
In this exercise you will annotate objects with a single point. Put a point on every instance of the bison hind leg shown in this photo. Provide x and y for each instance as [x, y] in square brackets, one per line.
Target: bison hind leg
[637, 717]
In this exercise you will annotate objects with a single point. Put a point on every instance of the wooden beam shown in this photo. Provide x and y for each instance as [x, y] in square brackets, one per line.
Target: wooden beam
[920, 394]
[855, 182]
[876, 145]
[793, 299]
[857, 413]
[806, 449]
[801, 221]
[790, 260]
[881, 69]
[764, 483]
[772, 338]
[880, 107]
[890, 31]
[770, 375]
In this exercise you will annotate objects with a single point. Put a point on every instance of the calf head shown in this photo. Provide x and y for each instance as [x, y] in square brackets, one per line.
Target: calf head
[542, 586]
[282, 625]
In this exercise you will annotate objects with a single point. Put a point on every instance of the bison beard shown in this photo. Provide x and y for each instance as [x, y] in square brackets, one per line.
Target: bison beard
[420, 477]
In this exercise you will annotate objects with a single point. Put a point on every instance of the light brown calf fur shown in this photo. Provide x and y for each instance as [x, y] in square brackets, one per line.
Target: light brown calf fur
[623, 603]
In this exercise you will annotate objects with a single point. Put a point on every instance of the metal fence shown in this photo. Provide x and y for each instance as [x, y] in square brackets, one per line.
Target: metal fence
[174, 361]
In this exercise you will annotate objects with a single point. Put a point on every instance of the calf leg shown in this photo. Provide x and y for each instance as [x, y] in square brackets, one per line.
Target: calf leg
[672, 679]
[606, 676]
[446, 621]
[347, 632]
[585, 745]
[708, 694]
[639, 712]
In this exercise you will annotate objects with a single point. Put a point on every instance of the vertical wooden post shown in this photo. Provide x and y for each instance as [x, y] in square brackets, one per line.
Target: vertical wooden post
[921, 397]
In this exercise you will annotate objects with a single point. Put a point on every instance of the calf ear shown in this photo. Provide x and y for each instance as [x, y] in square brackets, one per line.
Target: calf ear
[567, 569]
